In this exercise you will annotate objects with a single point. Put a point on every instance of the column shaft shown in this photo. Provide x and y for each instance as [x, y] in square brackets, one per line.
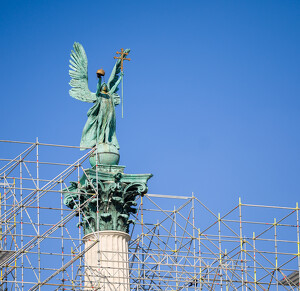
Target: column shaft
[106, 263]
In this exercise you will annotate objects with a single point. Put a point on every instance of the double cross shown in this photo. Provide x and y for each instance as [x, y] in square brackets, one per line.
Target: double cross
[122, 57]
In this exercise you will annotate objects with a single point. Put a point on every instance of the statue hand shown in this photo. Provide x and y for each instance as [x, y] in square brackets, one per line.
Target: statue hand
[122, 73]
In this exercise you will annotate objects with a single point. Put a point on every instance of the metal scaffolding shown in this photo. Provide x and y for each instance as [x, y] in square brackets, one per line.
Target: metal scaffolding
[177, 242]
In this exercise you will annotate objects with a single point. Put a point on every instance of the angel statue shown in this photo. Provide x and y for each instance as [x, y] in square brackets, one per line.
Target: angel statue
[100, 127]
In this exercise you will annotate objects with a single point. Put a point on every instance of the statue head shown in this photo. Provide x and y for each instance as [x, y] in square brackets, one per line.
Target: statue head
[103, 88]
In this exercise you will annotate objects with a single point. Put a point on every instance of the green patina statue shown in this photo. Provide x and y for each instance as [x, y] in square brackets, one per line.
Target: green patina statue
[101, 124]
[105, 196]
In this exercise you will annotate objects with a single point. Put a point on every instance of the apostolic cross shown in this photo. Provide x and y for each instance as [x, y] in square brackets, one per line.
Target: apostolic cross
[122, 57]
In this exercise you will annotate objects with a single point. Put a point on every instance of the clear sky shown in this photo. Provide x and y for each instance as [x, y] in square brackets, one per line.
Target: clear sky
[211, 94]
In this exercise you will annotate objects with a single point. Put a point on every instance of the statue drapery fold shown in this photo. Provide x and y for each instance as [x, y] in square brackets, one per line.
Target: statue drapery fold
[101, 124]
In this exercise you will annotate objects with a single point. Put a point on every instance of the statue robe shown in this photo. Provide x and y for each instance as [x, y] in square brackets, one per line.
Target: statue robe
[101, 124]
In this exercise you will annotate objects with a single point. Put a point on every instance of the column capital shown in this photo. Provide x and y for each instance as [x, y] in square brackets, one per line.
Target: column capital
[108, 195]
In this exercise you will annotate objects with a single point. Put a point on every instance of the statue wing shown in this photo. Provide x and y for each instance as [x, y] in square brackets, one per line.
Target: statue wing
[79, 75]
[114, 76]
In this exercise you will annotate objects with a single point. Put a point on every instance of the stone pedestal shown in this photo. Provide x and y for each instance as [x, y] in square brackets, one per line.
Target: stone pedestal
[106, 263]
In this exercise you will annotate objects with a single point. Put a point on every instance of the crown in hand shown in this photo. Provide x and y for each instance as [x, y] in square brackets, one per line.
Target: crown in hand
[100, 73]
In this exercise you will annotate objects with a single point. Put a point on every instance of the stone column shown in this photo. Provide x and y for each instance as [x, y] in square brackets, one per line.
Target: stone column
[105, 198]
[106, 263]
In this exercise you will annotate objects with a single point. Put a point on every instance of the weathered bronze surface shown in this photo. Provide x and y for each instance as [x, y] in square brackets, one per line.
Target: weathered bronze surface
[101, 124]
[105, 196]
[115, 198]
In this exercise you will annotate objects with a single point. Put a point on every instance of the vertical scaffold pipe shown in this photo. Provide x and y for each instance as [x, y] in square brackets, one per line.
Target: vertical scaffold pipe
[109, 269]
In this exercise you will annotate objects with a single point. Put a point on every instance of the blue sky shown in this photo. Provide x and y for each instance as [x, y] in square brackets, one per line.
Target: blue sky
[211, 94]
